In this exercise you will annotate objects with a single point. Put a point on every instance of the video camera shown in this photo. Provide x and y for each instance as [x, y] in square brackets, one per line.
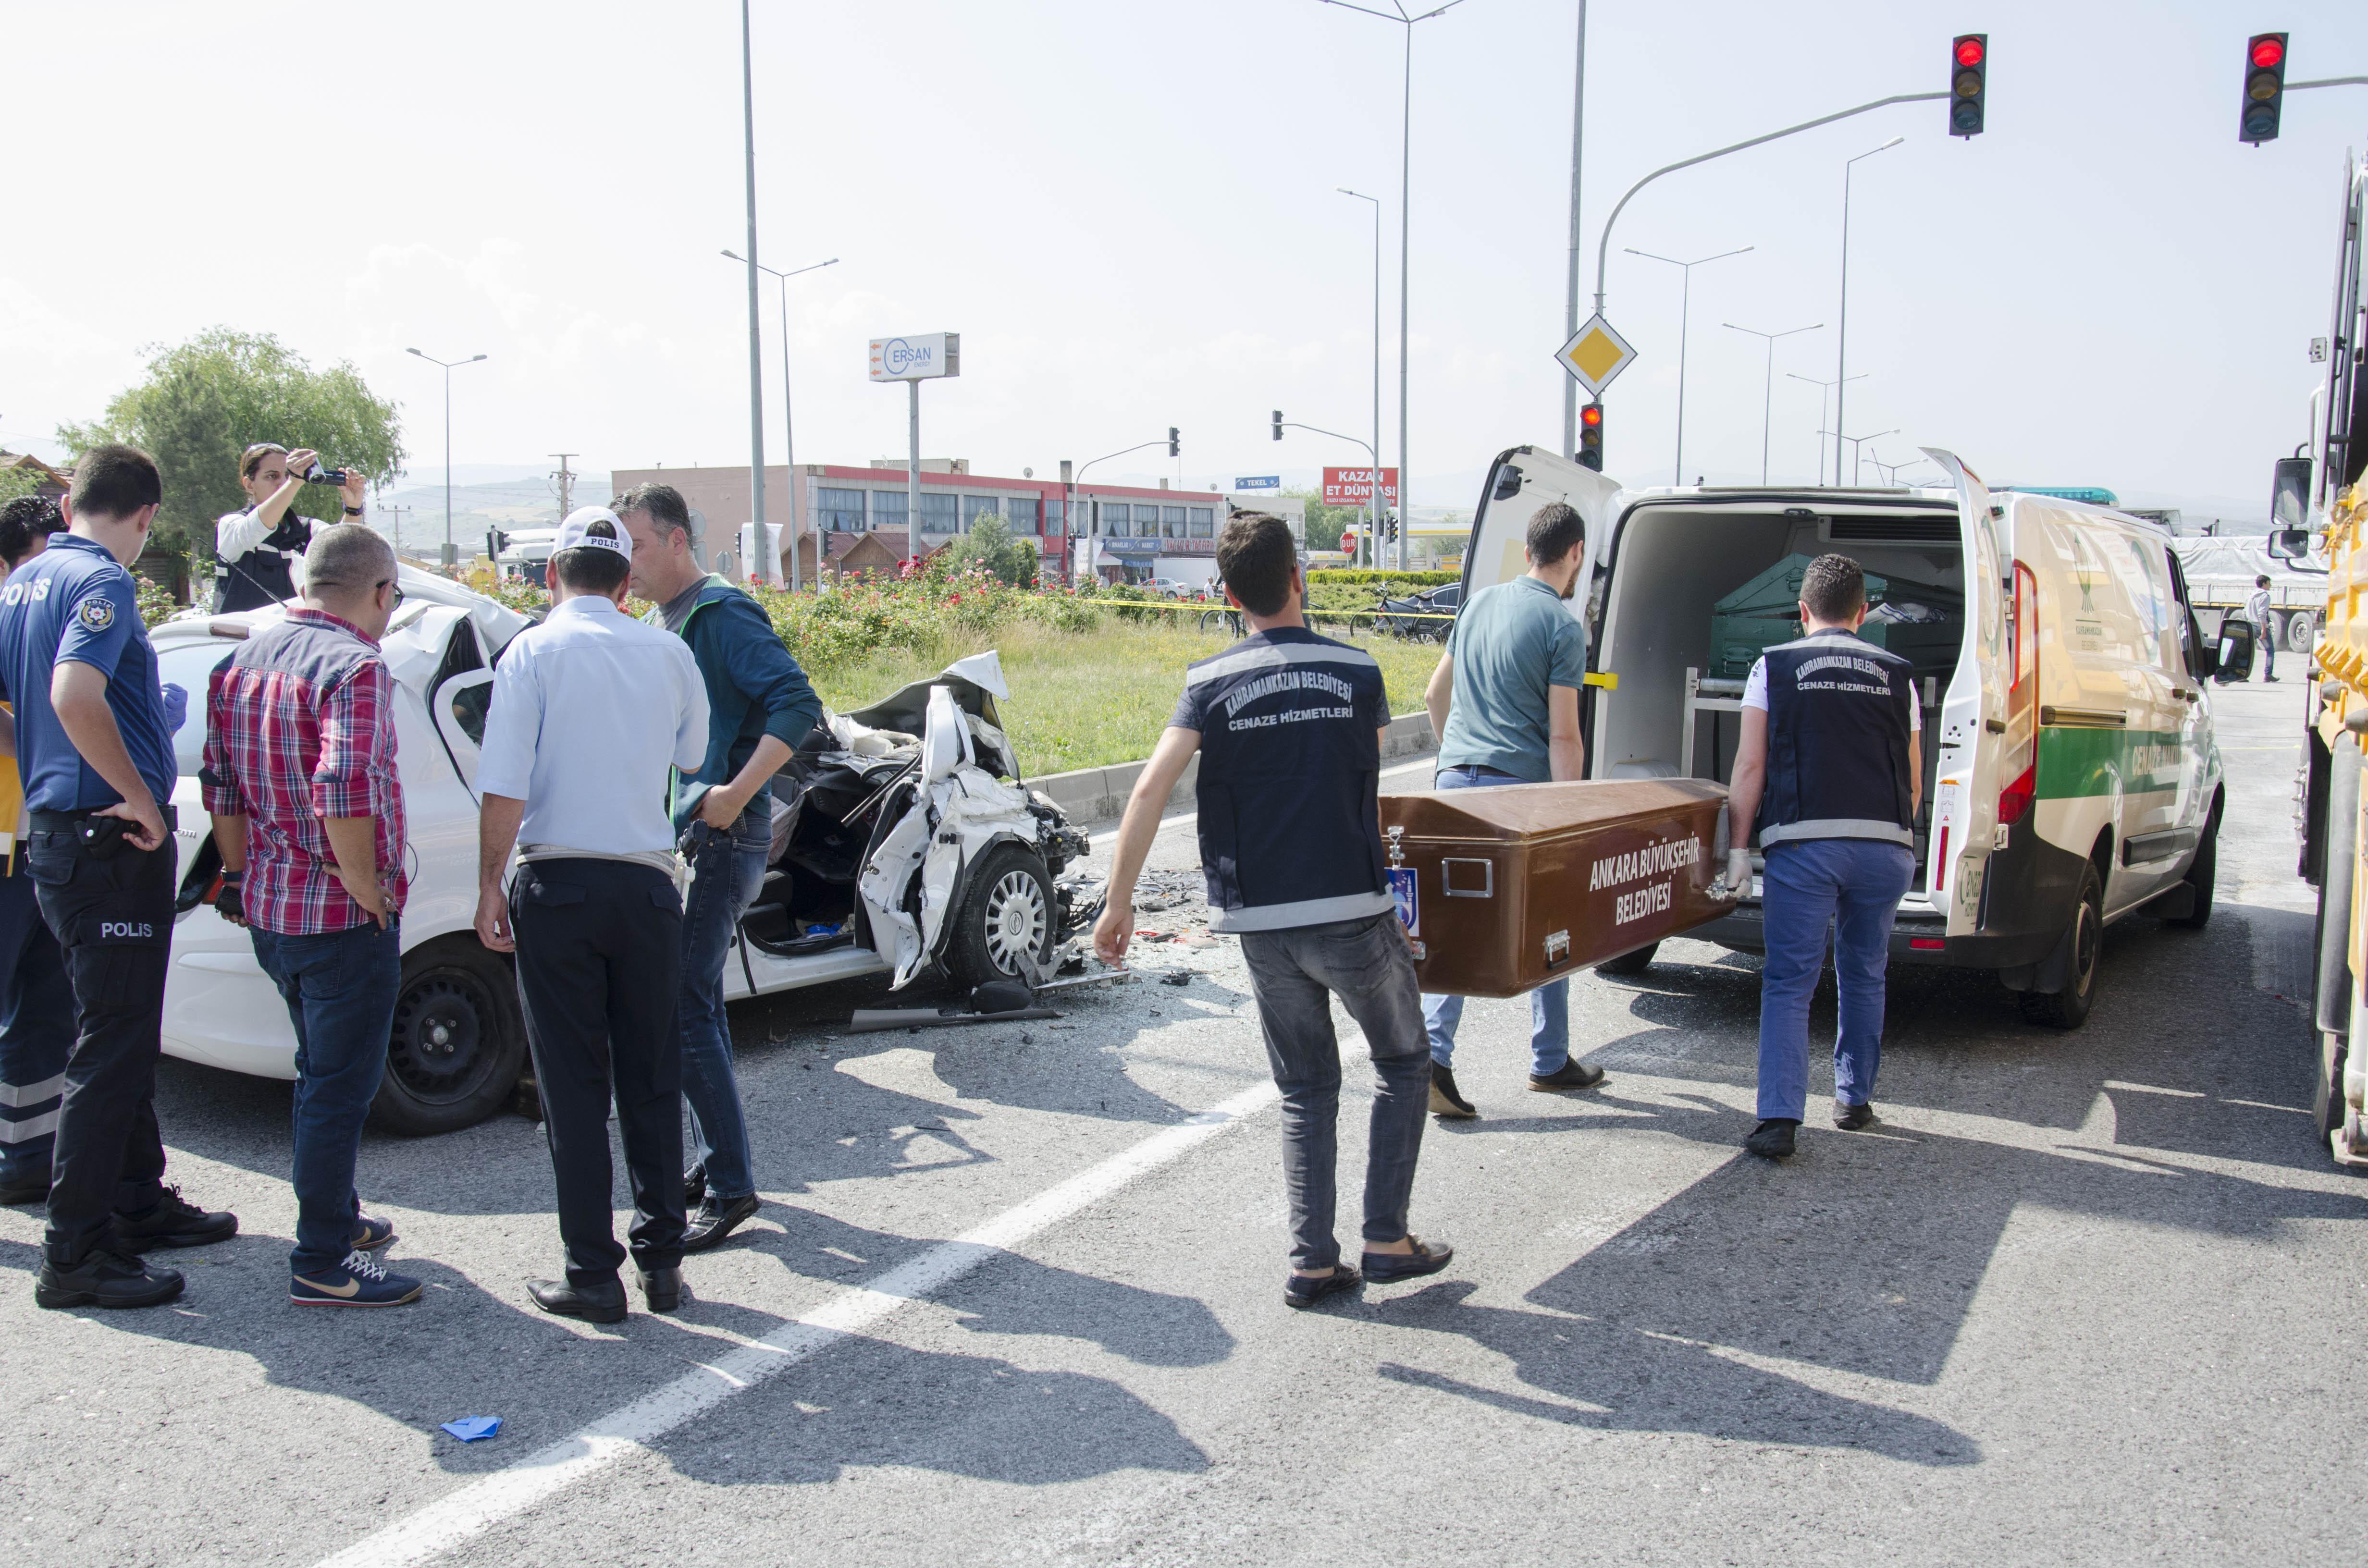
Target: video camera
[324, 475]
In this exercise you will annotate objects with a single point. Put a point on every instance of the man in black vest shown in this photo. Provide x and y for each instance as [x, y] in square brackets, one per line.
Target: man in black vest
[1830, 772]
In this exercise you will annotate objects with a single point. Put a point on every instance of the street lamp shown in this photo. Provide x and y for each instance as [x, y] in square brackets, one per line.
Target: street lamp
[1397, 13]
[1685, 304]
[1077, 479]
[1842, 356]
[1375, 506]
[1856, 442]
[789, 441]
[1767, 393]
[1825, 392]
[451, 556]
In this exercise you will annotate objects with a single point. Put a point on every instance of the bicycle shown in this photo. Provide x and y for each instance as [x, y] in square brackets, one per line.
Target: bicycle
[1228, 620]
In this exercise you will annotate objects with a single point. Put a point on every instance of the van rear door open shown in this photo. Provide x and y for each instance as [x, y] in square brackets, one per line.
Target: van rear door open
[1520, 482]
[1970, 775]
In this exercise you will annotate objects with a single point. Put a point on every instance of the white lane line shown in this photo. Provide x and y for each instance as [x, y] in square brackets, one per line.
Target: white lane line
[473, 1509]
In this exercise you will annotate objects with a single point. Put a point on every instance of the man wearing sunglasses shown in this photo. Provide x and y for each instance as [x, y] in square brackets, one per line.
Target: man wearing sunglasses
[300, 778]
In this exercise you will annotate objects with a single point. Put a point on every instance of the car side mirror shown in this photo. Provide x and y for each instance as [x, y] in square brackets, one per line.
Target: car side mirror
[2289, 544]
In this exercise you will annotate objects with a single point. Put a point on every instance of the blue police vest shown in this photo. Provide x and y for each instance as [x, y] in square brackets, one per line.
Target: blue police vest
[1838, 717]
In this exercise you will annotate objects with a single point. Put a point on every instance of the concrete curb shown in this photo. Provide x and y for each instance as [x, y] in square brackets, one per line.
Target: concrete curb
[1092, 795]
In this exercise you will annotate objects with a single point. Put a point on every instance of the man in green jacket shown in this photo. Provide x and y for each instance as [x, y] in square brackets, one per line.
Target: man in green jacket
[761, 709]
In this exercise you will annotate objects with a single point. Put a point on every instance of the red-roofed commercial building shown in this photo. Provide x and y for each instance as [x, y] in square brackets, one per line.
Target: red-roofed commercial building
[1115, 530]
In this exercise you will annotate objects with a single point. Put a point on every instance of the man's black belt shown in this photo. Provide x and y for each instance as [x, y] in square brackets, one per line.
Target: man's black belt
[65, 821]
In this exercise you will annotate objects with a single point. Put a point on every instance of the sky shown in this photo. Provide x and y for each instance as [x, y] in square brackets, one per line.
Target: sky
[1130, 212]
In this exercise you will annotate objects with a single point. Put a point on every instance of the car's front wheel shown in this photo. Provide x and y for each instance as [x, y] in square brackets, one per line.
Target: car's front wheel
[459, 1042]
[1007, 911]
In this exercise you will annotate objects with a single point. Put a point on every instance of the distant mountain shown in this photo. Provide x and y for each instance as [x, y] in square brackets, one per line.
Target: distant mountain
[484, 497]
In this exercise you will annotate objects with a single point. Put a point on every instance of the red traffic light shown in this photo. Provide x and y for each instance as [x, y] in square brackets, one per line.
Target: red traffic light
[1970, 50]
[1590, 415]
[2268, 51]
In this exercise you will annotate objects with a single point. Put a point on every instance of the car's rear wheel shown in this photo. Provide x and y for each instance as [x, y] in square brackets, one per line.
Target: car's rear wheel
[2201, 872]
[459, 1042]
[2083, 943]
[1632, 963]
[1007, 911]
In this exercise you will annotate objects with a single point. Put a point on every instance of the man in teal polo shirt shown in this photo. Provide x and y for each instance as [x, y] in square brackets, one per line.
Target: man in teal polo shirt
[1504, 703]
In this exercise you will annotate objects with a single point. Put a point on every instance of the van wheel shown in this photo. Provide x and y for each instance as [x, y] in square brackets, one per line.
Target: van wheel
[459, 1042]
[2201, 871]
[2327, 1105]
[1636, 962]
[2069, 1008]
[1006, 910]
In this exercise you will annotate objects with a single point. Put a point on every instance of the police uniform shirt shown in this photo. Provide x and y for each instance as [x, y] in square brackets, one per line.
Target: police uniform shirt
[1290, 759]
[75, 604]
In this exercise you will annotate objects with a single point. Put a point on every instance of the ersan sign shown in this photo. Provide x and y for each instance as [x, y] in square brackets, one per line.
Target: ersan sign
[916, 357]
[1354, 486]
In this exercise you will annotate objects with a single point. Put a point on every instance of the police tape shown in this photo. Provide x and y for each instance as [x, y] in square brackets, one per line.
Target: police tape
[1211, 607]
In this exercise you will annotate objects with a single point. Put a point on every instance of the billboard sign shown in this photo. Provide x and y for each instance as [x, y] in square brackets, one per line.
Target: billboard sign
[1259, 482]
[1354, 486]
[917, 357]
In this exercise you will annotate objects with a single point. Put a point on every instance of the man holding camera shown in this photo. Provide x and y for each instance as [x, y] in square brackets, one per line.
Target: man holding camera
[97, 754]
[254, 545]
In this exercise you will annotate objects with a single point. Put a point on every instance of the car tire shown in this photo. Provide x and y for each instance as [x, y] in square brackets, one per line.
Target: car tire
[1007, 908]
[2201, 872]
[459, 1041]
[2302, 631]
[2082, 948]
[1628, 964]
[2327, 1105]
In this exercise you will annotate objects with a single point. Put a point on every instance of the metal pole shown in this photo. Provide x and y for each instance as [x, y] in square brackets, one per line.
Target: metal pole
[763, 570]
[451, 557]
[1841, 372]
[1570, 316]
[913, 480]
[1768, 392]
[1405, 244]
[790, 442]
[1685, 312]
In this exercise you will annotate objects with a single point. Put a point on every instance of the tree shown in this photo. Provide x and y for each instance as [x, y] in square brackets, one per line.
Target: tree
[15, 481]
[204, 401]
[989, 546]
[1324, 523]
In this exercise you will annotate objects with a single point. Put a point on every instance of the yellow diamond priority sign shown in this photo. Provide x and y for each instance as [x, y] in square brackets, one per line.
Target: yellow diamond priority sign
[1595, 354]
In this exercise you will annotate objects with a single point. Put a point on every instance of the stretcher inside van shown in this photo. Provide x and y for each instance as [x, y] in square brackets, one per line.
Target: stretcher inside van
[2069, 774]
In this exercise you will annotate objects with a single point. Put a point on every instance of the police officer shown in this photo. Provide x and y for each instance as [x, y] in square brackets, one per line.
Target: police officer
[591, 711]
[97, 755]
[256, 546]
[1830, 771]
[36, 1001]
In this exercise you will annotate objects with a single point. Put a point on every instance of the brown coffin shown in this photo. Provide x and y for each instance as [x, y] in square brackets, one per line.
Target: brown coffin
[1522, 884]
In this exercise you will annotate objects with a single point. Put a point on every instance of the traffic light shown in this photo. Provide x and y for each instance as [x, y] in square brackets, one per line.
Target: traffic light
[2265, 89]
[1590, 436]
[1969, 66]
[1172, 449]
[1277, 425]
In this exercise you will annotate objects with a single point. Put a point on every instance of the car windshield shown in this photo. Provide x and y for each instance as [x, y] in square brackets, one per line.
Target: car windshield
[188, 665]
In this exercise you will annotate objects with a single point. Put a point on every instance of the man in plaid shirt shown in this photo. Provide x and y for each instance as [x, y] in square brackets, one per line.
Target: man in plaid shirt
[307, 809]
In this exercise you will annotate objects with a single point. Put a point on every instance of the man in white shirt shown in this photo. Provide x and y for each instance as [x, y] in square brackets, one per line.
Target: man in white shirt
[590, 709]
[2265, 631]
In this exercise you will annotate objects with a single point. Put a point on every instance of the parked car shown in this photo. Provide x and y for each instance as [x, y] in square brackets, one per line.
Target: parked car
[904, 841]
[1170, 587]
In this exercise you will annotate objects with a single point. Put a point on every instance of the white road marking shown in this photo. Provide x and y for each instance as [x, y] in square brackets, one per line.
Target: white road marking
[478, 1507]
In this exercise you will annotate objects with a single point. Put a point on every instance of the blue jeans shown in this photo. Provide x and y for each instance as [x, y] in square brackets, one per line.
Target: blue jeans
[340, 988]
[1853, 886]
[729, 872]
[37, 1031]
[1549, 1004]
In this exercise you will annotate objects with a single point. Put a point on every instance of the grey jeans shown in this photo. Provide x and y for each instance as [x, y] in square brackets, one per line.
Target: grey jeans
[1294, 974]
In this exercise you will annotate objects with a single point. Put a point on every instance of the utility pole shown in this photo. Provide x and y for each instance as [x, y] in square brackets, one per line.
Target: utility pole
[759, 568]
[1570, 316]
[566, 483]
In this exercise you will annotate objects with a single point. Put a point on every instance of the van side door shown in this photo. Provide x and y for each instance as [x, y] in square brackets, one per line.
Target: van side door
[2156, 830]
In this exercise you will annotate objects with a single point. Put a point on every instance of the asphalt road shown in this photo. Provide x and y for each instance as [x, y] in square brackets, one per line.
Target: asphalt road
[1015, 1297]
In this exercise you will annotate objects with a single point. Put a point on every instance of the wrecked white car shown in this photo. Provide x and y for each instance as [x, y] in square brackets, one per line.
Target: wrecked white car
[903, 842]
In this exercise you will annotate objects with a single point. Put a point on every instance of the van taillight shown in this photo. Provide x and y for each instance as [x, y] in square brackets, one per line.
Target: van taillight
[2015, 798]
[2021, 761]
[1940, 861]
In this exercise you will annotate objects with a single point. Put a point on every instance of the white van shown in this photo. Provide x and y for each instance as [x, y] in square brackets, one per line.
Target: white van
[2071, 774]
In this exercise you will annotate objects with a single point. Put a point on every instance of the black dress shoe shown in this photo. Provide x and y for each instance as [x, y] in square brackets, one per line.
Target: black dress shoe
[1572, 1074]
[661, 1289]
[105, 1280]
[694, 1186]
[1428, 1257]
[1772, 1139]
[594, 1303]
[1850, 1117]
[1306, 1290]
[1446, 1099]
[717, 1218]
[173, 1222]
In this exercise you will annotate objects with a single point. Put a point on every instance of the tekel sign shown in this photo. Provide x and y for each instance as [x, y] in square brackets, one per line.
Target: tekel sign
[1274, 481]
[918, 357]
[1354, 486]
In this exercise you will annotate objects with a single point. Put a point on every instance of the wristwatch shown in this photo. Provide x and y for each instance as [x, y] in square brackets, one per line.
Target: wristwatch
[353, 511]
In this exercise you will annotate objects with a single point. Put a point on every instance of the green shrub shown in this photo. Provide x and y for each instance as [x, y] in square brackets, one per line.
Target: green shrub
[1397, 581]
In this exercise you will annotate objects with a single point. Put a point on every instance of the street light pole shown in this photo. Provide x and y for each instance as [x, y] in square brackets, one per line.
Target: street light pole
[1768, 392]
[1374, 456]
[757, 541]
[1824, 392]
[1373, 506]
[450, 556]
[1406, 244]
[789, 434]
[1842, 356]
[1856, 442]
[1570, 316]
[1685, 307]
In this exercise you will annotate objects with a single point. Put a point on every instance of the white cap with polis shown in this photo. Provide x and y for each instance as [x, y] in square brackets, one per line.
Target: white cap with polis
[576, 531]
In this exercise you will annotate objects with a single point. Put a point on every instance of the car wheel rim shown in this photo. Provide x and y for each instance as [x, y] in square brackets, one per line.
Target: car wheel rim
[1015, 920]
[2084, 951]
[441, 1036]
